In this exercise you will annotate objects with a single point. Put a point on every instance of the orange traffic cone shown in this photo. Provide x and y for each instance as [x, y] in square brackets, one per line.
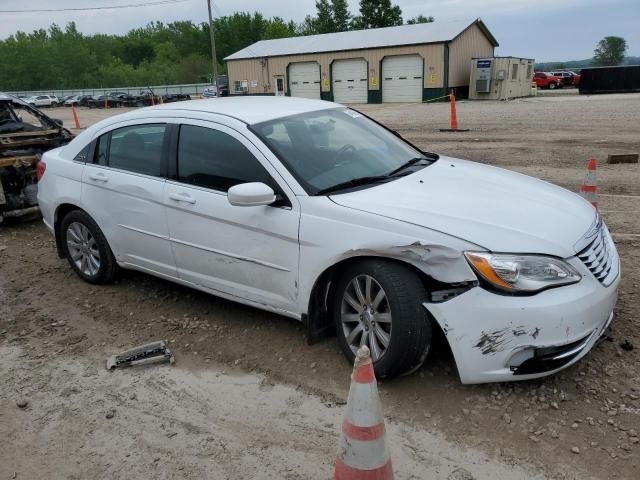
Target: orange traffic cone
[454, 114]
[589, 188]
[76, 120]
[363, 453]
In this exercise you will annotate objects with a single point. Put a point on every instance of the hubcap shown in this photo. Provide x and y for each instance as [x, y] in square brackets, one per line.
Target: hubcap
[83, 249]
[366, 316]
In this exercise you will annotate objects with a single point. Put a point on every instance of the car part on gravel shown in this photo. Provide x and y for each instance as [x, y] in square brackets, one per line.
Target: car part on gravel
[25, 134]
[155, 352]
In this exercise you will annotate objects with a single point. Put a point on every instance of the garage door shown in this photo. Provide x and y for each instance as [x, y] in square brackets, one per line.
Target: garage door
[304, 80]
[402, 79]
[350, 81]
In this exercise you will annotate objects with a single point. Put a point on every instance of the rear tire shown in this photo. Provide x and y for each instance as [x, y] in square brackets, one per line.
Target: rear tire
[54, 105]
[552, 86]
[388, 309]
[86, 248]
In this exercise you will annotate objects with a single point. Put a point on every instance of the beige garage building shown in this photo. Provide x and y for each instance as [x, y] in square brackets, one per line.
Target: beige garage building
[409, 63]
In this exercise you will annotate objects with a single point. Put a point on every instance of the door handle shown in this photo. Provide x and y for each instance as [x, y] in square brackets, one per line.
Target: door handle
[98, 177]
[182, 197]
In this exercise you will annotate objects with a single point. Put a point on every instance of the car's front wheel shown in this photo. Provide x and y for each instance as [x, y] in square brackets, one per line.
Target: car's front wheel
[86, 248]
[378, 303]
[54, 104]
[552, 86]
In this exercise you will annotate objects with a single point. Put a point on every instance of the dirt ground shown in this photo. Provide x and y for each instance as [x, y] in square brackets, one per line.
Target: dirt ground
[247, 398]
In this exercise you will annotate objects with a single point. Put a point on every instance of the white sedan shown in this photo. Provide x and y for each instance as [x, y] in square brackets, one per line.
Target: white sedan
[314, 211]
[43, 100]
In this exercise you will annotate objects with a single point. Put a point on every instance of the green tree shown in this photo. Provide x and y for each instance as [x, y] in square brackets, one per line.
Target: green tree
[278, 28]
[420, 19]
[377, 14]
[331, 16]
[341, 15]
[610, 51]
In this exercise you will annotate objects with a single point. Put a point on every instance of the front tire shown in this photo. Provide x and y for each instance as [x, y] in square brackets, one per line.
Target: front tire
[54, 105]
[86, 248]
[552, 86]
[378, 303]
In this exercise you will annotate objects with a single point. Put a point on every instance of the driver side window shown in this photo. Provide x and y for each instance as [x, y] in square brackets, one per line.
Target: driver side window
[213, 159]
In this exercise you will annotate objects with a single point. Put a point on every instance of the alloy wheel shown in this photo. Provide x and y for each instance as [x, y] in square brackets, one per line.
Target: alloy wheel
[83, 249]
[366, 316]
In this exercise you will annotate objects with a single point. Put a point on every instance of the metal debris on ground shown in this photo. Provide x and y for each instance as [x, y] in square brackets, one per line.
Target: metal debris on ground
[155, 352]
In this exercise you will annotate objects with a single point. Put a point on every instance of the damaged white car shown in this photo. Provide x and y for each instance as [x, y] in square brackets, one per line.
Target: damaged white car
[314, 211]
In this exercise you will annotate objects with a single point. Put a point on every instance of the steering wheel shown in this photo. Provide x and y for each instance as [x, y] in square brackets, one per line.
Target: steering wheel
[341, 152]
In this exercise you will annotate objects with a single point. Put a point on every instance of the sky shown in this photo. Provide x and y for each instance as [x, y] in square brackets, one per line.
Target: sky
[547, 30]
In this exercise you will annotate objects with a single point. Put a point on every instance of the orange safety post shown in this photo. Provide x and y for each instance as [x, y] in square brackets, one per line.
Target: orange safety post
[454, 115]
[106, 103]
[75, 115]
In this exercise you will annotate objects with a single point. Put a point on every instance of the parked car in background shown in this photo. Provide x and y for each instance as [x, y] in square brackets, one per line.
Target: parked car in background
[43, 101]
[210, 92]
[223, 85]
[99, 102]
[72, 100]
[146, 98]
[314, 211]
[175, 97]
[566, 76]
[546, 80]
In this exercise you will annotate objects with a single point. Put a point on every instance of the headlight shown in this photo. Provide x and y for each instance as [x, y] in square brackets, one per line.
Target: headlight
[522, 273]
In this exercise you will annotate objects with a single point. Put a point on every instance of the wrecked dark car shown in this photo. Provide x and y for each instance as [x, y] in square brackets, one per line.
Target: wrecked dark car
[25, 134]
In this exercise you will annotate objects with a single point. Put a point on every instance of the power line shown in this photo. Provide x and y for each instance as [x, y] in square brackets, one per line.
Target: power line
[104, 7]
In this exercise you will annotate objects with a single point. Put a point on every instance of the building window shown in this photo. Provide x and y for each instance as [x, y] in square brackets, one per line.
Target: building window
[514, 71]
[241, 86]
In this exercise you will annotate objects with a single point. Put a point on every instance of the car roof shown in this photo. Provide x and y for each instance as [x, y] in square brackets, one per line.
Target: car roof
[252, 109]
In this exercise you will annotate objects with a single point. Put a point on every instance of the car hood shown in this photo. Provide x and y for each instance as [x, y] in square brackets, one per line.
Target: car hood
[500, 210]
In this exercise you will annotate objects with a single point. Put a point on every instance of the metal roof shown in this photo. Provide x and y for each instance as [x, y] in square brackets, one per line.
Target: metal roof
[420, 33]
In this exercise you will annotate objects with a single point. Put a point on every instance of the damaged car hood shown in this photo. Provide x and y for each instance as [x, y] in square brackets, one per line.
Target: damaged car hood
[501, 210]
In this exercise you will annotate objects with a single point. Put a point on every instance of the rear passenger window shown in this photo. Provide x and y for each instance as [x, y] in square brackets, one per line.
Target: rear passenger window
[137, 149]
[212, 159]
[82, 156]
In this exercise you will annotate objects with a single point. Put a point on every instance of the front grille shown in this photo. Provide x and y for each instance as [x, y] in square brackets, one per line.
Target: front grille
[600, 255]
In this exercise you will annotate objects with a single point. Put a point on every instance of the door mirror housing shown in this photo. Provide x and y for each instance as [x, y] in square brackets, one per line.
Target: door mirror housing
[251, 195]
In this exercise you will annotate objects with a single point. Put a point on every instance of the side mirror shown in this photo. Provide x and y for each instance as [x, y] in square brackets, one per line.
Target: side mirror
[251, 195]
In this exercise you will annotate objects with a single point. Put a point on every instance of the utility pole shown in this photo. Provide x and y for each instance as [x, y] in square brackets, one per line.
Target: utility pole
[214, 62]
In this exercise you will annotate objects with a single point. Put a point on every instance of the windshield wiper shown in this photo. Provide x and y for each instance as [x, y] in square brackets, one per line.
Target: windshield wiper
[354, 182]
[407, 164]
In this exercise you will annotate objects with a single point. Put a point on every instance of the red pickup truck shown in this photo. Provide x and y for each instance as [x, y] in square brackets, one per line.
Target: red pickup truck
[546, 80]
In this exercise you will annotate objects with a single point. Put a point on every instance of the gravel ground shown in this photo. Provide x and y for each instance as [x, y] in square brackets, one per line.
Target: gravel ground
[248, 398]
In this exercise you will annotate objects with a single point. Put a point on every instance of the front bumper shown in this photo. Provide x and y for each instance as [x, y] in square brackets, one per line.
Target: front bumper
[496, 338]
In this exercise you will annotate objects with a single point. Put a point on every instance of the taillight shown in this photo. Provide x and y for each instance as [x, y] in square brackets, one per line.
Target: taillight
[40, 168]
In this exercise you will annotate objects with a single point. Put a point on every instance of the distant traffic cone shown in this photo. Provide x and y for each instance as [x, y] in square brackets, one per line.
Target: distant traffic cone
[454, 114]
[589, 188]
[363, 453]
[75, 115]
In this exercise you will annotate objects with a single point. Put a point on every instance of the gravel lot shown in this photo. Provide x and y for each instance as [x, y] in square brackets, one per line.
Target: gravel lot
[248, 398]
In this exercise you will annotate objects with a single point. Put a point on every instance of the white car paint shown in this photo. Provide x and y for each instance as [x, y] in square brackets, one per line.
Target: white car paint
[272, 257]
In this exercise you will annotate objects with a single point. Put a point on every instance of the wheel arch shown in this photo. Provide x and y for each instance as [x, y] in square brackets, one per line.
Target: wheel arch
[318, 321]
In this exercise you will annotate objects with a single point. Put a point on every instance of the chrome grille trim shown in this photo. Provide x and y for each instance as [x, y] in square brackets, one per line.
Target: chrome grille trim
[599, 254]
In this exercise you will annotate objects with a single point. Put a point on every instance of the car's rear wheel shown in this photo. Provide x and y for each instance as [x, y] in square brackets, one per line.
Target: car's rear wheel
[378, 303]
[54, 104]
[86, 248]
[552, 86]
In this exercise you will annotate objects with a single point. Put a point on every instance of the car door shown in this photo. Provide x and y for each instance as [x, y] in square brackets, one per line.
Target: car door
[249, 253]
[123, 191]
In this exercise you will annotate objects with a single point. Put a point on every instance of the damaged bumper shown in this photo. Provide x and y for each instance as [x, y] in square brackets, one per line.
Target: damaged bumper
[496, 338]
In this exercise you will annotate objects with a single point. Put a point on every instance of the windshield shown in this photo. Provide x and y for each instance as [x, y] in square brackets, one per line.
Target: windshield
[327, 148]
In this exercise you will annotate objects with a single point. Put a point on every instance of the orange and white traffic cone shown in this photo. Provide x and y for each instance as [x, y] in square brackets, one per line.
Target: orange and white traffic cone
[454, 114]
[589, 188]
[363, 453]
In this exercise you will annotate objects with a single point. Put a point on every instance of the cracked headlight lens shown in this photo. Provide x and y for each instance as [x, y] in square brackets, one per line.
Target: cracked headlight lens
[522, 273]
